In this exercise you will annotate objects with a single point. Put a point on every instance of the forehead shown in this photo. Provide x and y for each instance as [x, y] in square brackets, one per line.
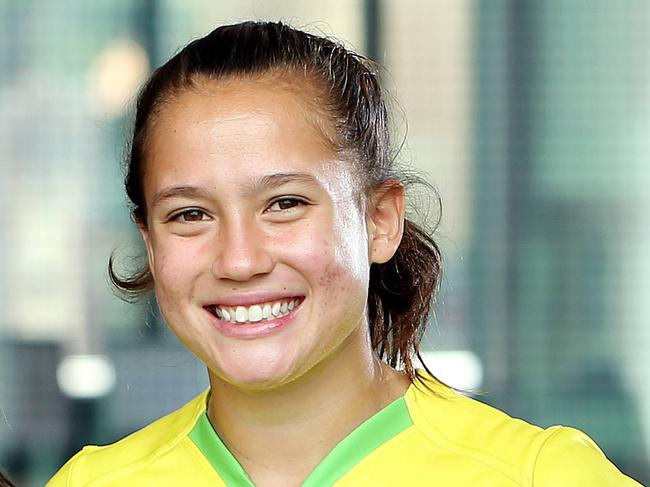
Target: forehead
[236, 128]
[274, 108]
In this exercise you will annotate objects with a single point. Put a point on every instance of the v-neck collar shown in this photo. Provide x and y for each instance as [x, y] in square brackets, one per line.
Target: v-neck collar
[369, 435]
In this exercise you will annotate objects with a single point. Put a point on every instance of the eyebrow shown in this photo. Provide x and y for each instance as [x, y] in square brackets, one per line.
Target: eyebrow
[273, 181]
[270, 181]
[179, 192]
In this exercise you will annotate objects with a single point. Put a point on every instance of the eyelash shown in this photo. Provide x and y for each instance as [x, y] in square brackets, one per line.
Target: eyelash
[297, 201]
[178, 216]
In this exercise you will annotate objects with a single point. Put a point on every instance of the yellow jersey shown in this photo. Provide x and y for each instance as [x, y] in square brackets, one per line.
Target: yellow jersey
[425, 438]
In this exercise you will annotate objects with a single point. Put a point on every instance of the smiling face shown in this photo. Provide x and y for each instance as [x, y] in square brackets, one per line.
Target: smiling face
[256, 241]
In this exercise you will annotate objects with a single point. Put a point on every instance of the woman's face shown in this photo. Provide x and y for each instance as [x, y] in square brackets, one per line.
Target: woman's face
[258, 247]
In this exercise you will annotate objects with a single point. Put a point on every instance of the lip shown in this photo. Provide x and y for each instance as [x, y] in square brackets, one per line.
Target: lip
[253, 330]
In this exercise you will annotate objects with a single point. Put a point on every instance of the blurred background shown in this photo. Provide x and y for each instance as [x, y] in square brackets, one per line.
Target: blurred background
[531, 118]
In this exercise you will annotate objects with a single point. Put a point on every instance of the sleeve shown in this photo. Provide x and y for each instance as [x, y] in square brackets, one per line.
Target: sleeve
[569, 458]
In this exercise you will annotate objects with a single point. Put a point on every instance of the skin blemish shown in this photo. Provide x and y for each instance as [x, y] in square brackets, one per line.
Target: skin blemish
[330, 276]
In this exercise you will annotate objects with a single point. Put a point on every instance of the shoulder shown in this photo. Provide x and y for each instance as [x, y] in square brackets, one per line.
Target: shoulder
[132, 452]
[570, 457]
[525, 453]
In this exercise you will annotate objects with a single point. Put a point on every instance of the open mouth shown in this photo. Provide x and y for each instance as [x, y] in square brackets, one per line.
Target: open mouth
[256, 313]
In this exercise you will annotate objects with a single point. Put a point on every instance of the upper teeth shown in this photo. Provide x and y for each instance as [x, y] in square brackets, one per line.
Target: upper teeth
[256, 312]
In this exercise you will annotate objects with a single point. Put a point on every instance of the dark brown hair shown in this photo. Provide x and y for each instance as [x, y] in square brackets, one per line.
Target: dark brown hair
[402, 290]
[4, 481]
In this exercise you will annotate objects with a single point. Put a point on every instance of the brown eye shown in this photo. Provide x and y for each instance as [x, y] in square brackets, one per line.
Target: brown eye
[191, 216]
[285, 204]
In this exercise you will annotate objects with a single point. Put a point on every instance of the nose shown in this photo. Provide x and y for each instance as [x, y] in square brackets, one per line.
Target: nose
[241, 252]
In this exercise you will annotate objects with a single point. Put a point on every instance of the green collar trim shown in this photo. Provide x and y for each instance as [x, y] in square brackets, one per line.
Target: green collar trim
[368, 436]
[207, 440]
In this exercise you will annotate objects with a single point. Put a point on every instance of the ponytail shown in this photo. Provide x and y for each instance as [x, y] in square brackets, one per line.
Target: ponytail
[400, 297]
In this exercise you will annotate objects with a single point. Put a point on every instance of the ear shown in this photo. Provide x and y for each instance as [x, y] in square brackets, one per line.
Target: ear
[146, 238]
[385, 221]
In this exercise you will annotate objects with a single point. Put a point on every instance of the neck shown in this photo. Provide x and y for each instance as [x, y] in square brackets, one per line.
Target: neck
[285, 432]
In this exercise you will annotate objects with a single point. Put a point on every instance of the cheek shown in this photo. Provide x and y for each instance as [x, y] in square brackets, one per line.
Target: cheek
[343, 293]
[331, 276]
[176, 266]
[333, 254]
[337, 271]
[340, 274]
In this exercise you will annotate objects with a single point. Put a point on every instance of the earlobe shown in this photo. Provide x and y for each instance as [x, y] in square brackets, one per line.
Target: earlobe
[386, 221]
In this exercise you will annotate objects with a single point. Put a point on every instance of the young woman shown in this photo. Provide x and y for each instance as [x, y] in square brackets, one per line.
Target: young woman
[262, 183]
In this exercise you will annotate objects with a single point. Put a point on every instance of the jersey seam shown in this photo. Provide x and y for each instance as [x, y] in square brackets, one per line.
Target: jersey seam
[70, 473]
[455, 448]
[551, 432]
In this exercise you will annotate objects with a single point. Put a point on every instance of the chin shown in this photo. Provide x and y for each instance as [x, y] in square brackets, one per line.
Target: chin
[255, 375]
